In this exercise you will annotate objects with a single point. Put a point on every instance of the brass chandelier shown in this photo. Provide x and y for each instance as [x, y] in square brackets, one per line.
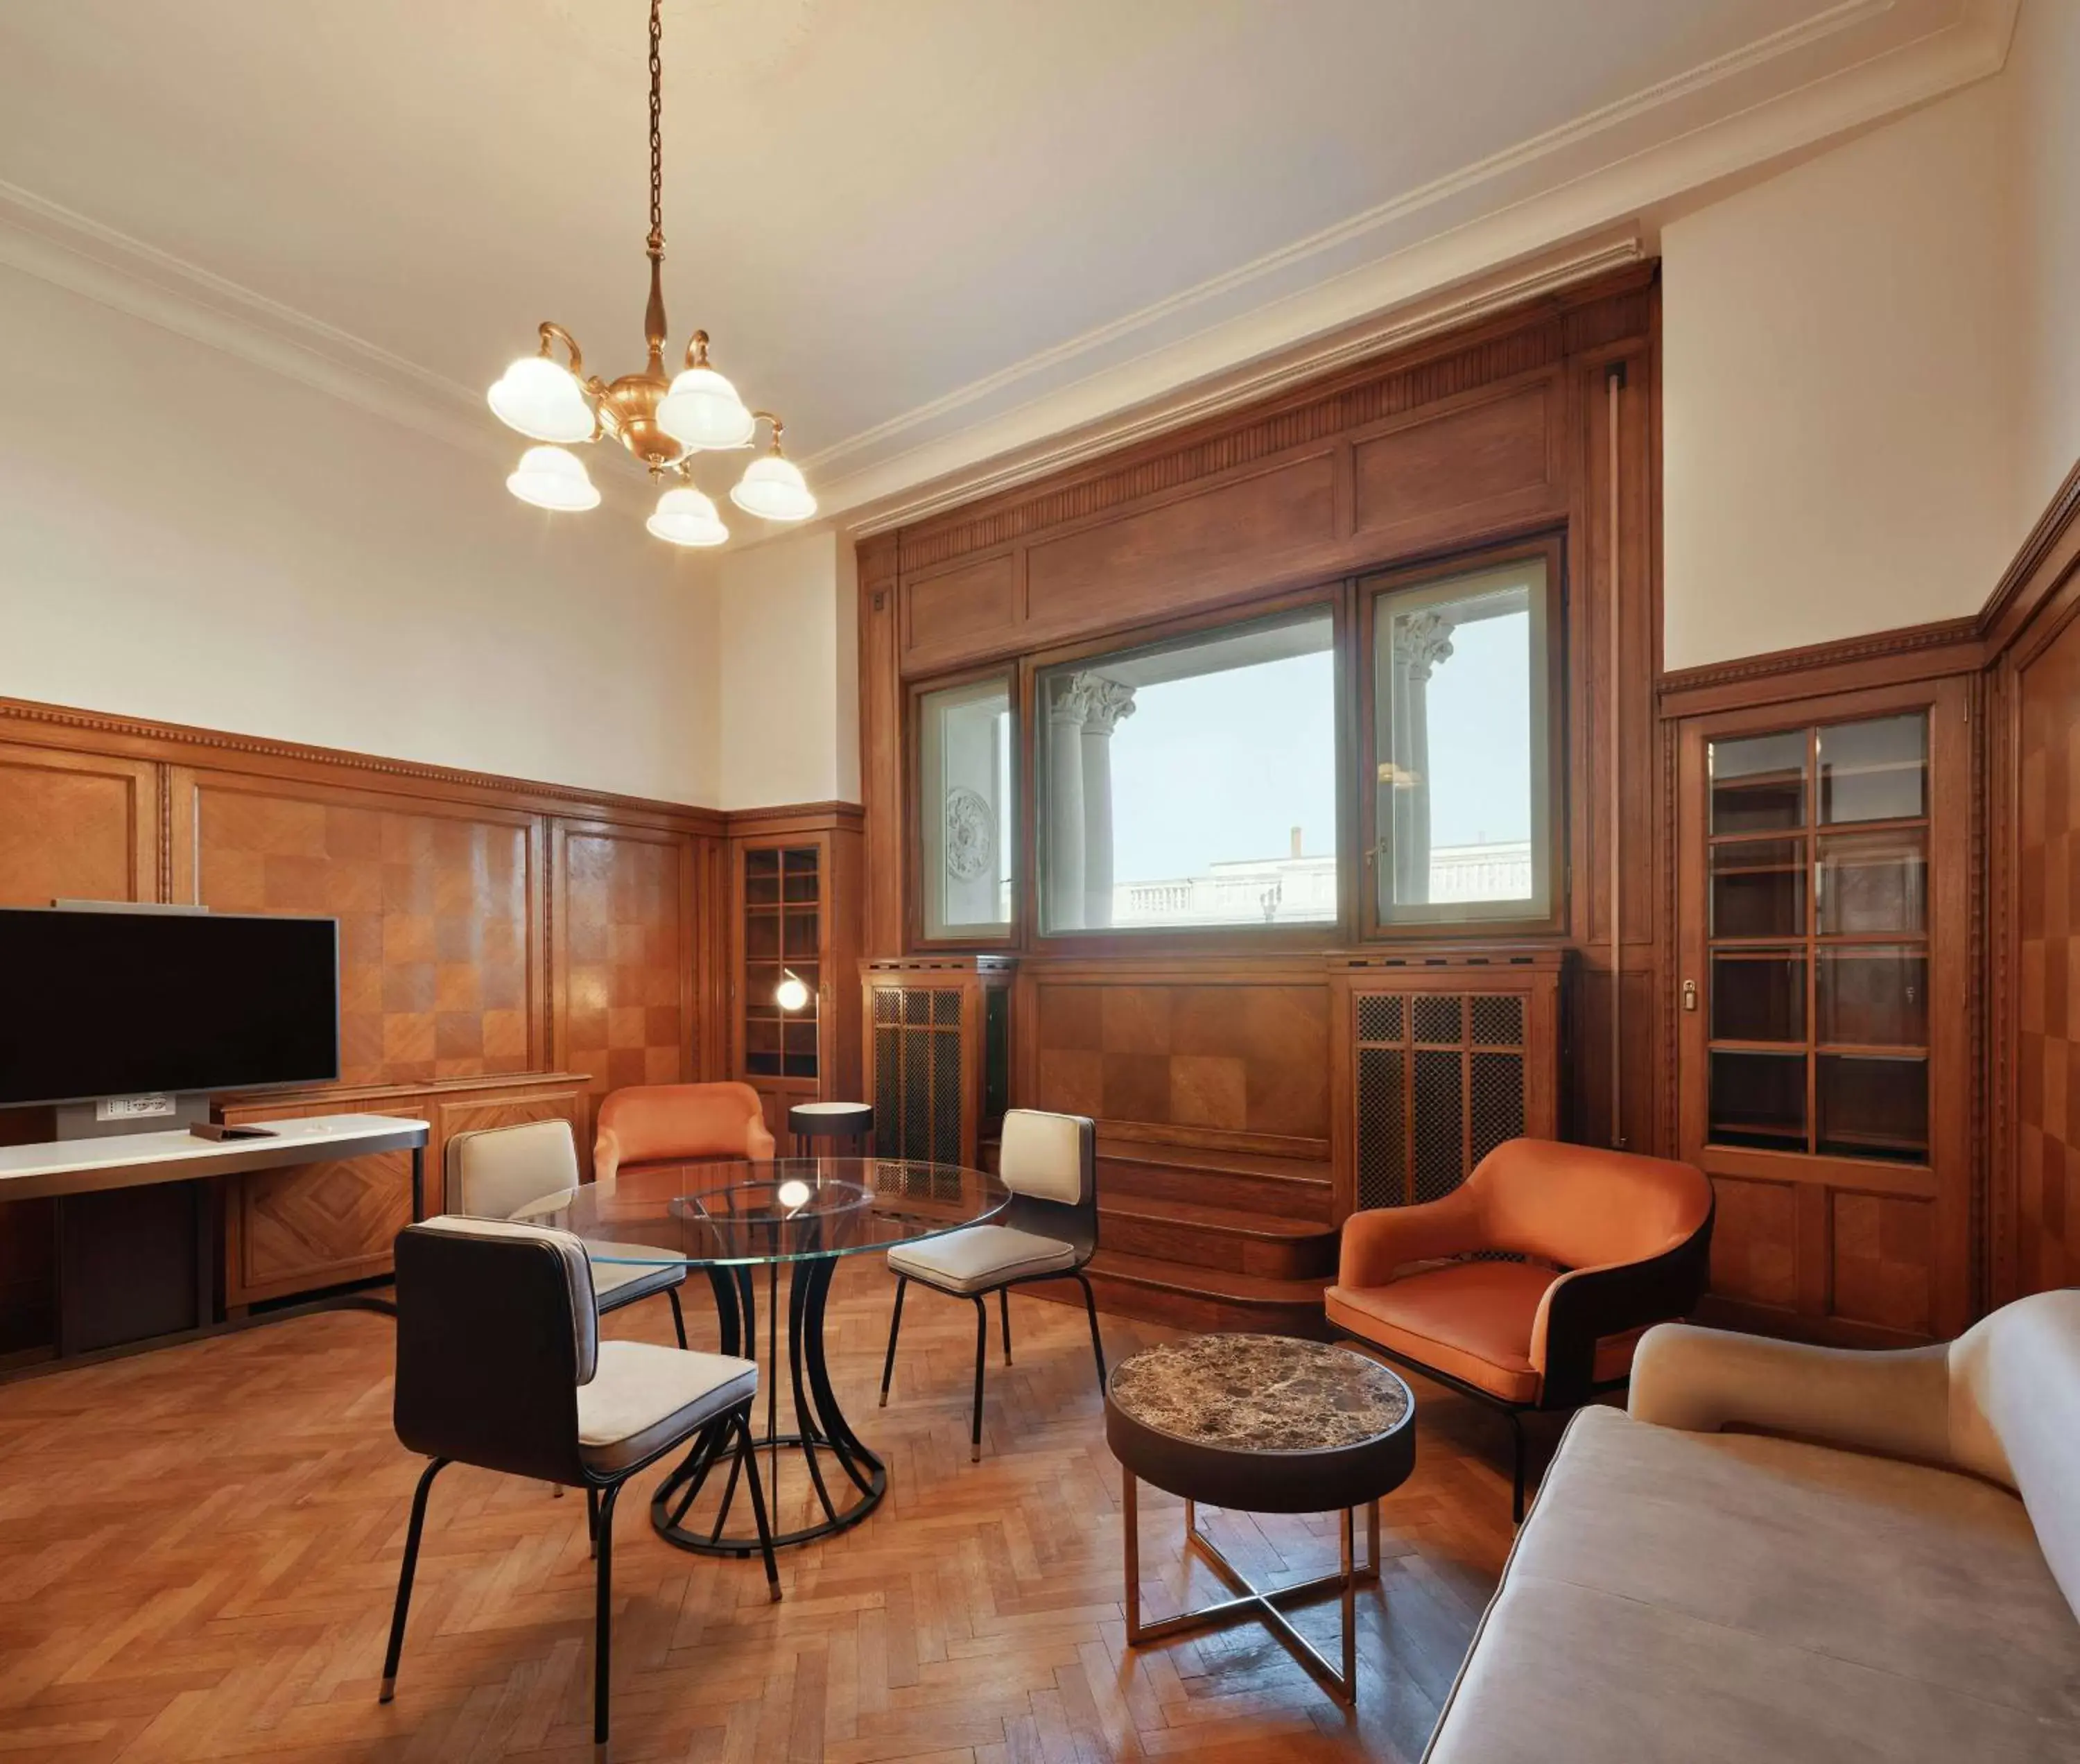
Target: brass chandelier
[664, 422]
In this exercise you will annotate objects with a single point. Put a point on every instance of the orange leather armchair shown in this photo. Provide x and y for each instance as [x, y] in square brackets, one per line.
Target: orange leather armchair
[1612, 1243]
[672, 1124]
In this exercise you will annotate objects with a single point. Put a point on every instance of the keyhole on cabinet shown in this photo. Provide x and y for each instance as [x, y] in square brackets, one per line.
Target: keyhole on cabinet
[1689, 995]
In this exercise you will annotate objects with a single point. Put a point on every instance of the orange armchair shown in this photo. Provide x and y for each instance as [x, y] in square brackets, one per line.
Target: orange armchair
[1610, 1244]
[674, 1123]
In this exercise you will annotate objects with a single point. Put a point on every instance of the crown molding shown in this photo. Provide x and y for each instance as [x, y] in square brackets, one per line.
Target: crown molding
[1305, 332]
[1435, 244]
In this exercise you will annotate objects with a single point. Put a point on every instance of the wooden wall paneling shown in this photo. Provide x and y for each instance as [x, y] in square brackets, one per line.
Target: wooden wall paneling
[1504, 448]
[73, 826]
[625, 1002]
[294, 1230]
[883, 747]
[1219, 1054]
[438, 904]
[978, 603]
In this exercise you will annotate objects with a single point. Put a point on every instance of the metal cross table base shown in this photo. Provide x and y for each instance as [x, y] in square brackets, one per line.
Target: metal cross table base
[1261, 1604]
[856, 1478]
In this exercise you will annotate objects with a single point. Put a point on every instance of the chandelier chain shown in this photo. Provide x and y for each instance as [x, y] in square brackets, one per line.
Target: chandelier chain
[657, 131]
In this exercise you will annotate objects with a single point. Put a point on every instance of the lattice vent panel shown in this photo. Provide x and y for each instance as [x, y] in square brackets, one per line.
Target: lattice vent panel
[1442, 1079]
[917, 1073]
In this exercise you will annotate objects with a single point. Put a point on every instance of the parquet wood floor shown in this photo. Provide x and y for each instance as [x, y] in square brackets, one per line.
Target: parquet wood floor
[197, 1549]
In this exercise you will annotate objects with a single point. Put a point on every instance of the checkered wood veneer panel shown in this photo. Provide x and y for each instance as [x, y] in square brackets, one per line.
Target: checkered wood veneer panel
[2047, 980]
[433, 916]
[625, 961]
[1245, 1058]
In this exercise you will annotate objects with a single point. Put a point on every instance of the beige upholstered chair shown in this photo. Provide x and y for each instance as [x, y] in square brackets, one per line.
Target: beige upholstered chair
[500, 1365]
[1050, 1163]
[499, 1172]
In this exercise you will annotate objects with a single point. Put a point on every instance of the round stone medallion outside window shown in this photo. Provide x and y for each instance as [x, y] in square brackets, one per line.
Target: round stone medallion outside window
[971, 835]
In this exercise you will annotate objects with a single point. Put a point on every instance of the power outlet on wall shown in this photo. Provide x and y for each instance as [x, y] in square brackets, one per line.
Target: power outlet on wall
[131, 1108]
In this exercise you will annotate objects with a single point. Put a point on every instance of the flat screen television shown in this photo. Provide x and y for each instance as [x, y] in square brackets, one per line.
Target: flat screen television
[104, 1004]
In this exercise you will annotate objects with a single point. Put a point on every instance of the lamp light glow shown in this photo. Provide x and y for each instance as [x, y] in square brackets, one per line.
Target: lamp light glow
[792, 993]
[685, 517]
[550, 478]
[543, 401]
[703, 411]
[771, 487]
[794, 1193]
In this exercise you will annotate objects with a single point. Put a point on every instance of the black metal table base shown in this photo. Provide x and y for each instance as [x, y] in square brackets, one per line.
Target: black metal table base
[848, 1479]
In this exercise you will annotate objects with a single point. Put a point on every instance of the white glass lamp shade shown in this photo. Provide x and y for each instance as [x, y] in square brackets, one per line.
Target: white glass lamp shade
[792, 993]
[542, 401]
[550, 478]
[702, 410]
[685, 517]
[772, 488]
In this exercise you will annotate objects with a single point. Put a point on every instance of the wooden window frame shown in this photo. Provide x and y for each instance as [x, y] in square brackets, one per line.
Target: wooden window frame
[1368, 590]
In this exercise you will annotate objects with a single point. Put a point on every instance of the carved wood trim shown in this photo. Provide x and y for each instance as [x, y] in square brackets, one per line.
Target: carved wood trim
[177, 743]
[2025, 583]
[1847, 664]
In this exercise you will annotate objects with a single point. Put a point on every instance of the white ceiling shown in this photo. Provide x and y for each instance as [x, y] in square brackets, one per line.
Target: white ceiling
[920, 228]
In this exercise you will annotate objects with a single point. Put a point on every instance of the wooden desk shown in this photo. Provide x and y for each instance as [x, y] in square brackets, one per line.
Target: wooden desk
[130, 1263]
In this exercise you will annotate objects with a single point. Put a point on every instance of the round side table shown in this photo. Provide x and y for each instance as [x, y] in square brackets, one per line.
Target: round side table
[848, 1126]
[1261, 1424]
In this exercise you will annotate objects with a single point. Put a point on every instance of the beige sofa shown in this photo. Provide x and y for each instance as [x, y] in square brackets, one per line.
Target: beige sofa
[1787, 1553]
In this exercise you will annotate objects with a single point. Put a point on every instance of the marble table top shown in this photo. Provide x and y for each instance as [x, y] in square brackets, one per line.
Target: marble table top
[1260, 1393]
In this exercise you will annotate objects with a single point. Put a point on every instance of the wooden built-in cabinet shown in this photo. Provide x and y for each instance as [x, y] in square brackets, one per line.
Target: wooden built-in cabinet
[292, 1231]
[939, 1051]
[1824, 1001]
[795, 894]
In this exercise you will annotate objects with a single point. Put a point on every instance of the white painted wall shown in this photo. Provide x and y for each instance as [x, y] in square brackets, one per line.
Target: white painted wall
[217, 544]
[1871, 380]
[789, 635]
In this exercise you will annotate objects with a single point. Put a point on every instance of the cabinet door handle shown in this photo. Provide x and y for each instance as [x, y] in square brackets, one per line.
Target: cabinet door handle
[1689, 995]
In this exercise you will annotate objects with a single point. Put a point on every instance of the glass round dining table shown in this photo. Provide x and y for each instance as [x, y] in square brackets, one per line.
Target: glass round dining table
[733, 1220]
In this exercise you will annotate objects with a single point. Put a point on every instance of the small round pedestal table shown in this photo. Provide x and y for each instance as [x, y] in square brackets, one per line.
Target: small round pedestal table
[1261, 1424]
[731, 1220]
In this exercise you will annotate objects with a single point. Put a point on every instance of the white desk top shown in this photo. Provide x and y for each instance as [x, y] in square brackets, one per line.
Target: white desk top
[131, 1160]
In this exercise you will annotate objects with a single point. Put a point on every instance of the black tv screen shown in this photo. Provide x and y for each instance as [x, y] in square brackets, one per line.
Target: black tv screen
[96, 1004]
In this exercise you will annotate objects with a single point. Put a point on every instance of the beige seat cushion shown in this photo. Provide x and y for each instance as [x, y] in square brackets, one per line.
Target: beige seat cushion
[622, 1282]
[979, 1258]
[643, 1397]
[1703, 1597]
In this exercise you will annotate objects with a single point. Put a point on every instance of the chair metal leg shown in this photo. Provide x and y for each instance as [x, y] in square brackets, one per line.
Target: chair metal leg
[1516, 1489]
[1090, 1310]
[982, 1354]
[747, 1455]
[1004, 1302]
[404, 1574]
[894, 1325]
[678, 1315]
[602, 1619]
[591, 1519]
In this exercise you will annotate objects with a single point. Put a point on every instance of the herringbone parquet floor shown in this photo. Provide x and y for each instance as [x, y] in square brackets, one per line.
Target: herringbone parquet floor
[197, 1549]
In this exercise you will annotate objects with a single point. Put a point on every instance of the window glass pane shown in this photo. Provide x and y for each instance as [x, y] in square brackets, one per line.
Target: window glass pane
[1459, 688]
[1759, 888]
[1874, 1107]
[1758, 1100]
[1873, 882]
[1191, 783]
[1874, 995]
[1759, 783]
[1877, 771]
[1758, 995]
[967, 808]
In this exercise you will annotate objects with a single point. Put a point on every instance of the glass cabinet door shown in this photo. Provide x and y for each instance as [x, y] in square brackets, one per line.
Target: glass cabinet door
[782, 934]
[1817, 940]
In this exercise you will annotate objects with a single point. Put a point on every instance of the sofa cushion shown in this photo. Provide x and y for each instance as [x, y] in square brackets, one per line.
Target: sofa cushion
[1471, 1320]
[1701, 1597]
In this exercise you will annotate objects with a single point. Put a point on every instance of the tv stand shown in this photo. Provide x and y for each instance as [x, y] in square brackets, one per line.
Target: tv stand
[219, 1130]
[137, 1226]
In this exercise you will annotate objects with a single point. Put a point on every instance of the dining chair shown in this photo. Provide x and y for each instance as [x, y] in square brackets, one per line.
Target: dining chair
[665, 1123]
[500, 1364]
[1049, 1233]
[498, 1172]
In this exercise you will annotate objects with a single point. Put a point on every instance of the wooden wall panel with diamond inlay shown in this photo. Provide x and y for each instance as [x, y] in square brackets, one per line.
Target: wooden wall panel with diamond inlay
[437, 908]
[625, 953]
